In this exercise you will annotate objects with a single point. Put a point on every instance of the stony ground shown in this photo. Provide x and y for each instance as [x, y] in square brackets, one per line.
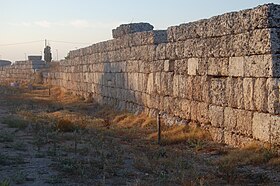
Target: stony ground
[64, 140]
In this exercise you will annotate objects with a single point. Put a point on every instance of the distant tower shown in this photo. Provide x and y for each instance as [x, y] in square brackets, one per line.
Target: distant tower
[47, 54]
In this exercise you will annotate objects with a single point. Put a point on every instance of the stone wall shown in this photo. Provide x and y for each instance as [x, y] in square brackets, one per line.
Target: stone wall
[222, 73]
[21, 71]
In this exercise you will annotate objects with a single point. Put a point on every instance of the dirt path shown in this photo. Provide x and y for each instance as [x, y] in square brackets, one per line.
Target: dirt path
[44, 141]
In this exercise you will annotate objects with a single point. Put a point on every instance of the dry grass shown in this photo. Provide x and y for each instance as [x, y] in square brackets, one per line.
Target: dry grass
[180, 134]
[252, 154]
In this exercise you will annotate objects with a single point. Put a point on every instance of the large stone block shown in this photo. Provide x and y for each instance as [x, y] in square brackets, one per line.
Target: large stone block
[236, 66]
[276, 65]
[217, 134]
[261, 126]
[273, 89]
[216, 115]
[218, 91]
[230, 119]
[260, 95]
[218, 66]
[234, 92]
[203, 113]
[169, 65]
[192, 66]
[186, 109]
[167, 83]
[181, 66]
[176, 85]
[248, 93]
[260, 42]
[275, 130]
[244, 122]
[258, 66]
[161, 51]
[125, 29]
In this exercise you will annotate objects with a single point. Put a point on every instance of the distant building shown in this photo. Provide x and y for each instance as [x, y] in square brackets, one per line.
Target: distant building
[5, 63]
[32, 58]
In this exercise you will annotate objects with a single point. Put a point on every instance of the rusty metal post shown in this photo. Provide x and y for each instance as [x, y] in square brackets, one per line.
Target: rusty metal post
[159, 128]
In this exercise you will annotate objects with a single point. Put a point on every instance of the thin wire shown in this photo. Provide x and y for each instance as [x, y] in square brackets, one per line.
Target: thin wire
[68, 42]
[23, 43]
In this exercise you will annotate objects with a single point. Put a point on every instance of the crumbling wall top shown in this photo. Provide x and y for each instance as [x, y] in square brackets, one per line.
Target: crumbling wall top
[125, 29]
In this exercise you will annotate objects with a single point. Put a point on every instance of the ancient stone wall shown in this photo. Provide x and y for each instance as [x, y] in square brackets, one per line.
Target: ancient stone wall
[21, 71]
[221, 72]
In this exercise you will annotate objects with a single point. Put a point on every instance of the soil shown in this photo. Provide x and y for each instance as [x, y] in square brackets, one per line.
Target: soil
[99, 152]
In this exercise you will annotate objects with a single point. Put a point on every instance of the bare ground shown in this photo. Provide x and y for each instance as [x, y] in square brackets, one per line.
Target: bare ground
[63, 140]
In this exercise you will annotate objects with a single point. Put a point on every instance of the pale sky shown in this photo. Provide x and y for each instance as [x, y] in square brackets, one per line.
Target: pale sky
[71, 24]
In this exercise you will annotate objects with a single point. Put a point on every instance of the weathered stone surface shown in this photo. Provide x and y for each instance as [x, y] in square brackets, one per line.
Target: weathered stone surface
[248, 93]
[216, 115]
[218, 66]
[273, 101]
[230, 119]
[236, 66]
[217, 134]
[275, 130]
[244, 122]
[218, 91]
[261, 126]
[131, 28]
[192, 66]
[234, 92]
[260, 94]
[223, 71]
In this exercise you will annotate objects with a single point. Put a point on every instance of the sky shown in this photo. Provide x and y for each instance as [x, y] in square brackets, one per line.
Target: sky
[71, 24]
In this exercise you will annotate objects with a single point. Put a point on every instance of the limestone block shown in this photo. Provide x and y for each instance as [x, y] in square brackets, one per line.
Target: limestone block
[237, 45]
[167, 83]
[168, 65]
[234, 92]
[202, 66]
[181, 66]
[144, 67]
[218, 91]
[194, 110]
[120, 80]
[197, 88]
[216, 115]
[189, 48]
[205, 80]
[236, 66]
[157, 66]
[248, 93]
[176, 85]
[260, 42]
[186, 109]
[217, 134]
[157, 82]
[218, 66]
[244, 122]
[125, 29]
[275, 130]
[192, 66]
[170, 51]
[161, 51]
[275, 65]
[167, 104]
[150, 84]
[132, 66]
[230, 119]
[185, 89]
[203, 113]
[260, 95]
[258, 66]
[261, 126]
[179, 50]
[273, 89]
